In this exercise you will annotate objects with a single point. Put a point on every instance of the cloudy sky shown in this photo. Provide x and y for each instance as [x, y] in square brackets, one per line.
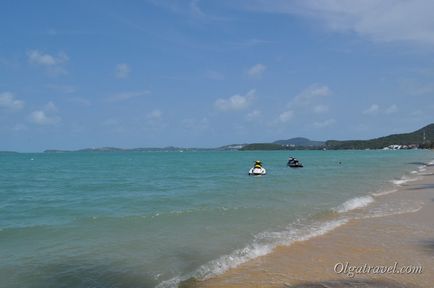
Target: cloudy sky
[77, 74]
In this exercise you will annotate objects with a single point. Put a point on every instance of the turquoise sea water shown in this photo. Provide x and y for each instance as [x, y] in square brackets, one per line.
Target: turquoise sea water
[155, 218]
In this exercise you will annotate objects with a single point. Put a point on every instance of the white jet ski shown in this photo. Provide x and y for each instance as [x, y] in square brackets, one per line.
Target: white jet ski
[257, 169]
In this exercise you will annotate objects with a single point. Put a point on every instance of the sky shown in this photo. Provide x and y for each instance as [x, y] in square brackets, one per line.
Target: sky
[197, 73]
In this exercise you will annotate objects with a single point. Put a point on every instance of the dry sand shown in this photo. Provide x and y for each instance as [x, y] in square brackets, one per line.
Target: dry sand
[406, 239]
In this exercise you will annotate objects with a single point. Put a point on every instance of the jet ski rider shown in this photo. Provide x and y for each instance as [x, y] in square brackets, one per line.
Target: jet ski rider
[258, 164]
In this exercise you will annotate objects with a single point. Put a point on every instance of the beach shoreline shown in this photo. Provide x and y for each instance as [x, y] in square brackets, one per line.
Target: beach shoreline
[353, 254]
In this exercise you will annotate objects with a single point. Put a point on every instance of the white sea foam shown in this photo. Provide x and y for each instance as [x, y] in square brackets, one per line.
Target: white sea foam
[382, 193]
[263, 244]
[404, 179]
[399, 181]
[355, 203]
[422, 169]
[395, 209]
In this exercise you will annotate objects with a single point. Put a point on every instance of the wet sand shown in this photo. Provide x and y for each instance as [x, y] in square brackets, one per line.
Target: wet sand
[406, 239]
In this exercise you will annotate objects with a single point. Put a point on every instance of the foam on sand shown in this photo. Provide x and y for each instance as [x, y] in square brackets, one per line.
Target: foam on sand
[404, 179]
[382, 193]
[422, 168]
[355, 203]
[263, 244]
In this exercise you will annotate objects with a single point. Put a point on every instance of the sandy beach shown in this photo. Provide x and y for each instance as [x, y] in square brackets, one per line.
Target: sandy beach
[401, 243]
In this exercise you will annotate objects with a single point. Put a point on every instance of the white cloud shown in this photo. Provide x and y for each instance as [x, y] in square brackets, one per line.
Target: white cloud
[376, 109]
[311, 94]
[320, 108]
[307, 101]
[125, 96]
[8, 101]
[154, 120]
[377, 20]
[41, 117]
[254, 115]
[236, 102]
[154, 115]
[53, 64]
[286, 116]
[45, 59]
[195, 9]
[46, 116]
[256, 71]
[325, 123]
[50, 107]
[187, 8]
[373, 109]
[391, 109]
[122, 71]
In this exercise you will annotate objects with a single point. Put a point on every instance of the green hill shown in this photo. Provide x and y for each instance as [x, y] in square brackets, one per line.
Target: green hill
[274, 146]
[300, 141]
[290, 144]
[423, 137]
[262, 146]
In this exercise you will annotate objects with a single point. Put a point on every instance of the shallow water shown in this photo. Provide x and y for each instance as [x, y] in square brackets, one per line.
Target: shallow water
[139, 219]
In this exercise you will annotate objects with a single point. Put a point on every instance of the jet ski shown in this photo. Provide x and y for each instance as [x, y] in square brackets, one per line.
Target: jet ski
[257, 169]
[294, 163]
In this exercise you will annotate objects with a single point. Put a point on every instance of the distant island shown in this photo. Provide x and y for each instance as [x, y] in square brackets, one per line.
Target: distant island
[144, 149]
[299, 143]
[422, 138]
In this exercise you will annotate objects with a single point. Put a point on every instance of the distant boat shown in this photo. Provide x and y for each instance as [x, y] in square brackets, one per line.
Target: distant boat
[294, 163]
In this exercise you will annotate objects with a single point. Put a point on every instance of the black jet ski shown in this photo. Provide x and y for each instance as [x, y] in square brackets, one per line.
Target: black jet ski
[294, 163]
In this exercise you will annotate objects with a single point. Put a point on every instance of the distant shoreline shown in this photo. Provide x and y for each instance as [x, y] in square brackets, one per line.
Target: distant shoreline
[421, 139]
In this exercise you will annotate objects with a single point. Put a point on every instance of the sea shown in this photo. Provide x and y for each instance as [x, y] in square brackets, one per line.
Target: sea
[155, 219]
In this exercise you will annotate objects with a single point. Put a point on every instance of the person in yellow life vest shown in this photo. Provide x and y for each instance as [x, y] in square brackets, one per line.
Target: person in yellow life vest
[258, 164]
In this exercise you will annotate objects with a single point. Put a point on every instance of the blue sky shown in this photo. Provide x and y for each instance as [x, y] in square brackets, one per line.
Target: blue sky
[77, 74]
